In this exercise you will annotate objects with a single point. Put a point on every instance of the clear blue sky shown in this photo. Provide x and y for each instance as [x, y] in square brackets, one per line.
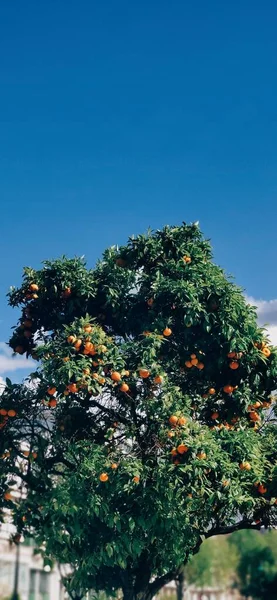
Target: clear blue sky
[119, 115]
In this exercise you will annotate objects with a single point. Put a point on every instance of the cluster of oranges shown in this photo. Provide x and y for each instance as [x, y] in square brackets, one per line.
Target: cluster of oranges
[263, 346]
[31, 293]
[6, 414]
[194, 362]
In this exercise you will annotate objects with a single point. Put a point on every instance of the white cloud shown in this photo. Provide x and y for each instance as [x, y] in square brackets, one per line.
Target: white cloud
[8, 362]
[267, 315]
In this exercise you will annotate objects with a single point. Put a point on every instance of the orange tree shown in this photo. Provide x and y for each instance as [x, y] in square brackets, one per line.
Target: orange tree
[148, 424]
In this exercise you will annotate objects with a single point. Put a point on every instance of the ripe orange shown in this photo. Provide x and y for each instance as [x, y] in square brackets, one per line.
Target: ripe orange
[34, 455]
[104, 477]
[158, 379]
[88, 328]
[114, 466]
[34, 296]
[193, 356]
[19, 349]
[234, 365]
[88, 346]
[266, 351]
[182, 421]
[52, 403]
[3, 412]
[26, 453]
[33, 287]
[173, 420]
[228, 389]
[115, 376]
[67, 292]
[170, 434]
[124, 387]
[194, 361]
[51, 391]
[182, 448]
[126, 373]
[225, 482]
[245, 466]
[201, 455]
[173, 452]
[188, 364]
[78, 344]
[86, 371]
[66, 359]
[187, 259]
[136, 479]
[167, 332]
[71, 339]
[212, 391]
[150, 301]
[27, 334]
[200, 366]
[73, 388]
[214, 416]
[11, 413]
[262, 489]
[257, 404]
[144, 373]
[231, 355]
[254, 415]
[8, 496]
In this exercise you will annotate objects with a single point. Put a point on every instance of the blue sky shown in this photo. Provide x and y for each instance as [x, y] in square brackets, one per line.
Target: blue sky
[116, 116]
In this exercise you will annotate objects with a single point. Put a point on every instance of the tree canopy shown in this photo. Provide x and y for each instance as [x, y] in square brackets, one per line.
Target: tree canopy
[148, 424]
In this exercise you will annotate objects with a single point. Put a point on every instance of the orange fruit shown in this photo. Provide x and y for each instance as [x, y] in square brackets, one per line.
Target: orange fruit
[158, 379]
[188, 364]
[11, 413]
[52, 403]
[51, 391]
[66, 359]
[182, 421]
[88, 346]
[26, 453]
[120, 262]
[86, 371]
[173, 452]
[193, 356]
[170, 434]
[27, 334]
[266, 352]
[201, 455]
[144, 373]
[66, 293]
[71, 339]
[228, 389]
[124, 387]
[234, 365]
[136, 479]
[194, 361]
[34, 296]
[78, 344]
[3, 412]
[150, 301]
[231, 355]
[35, 455]
[212, 391]
[104, 477]
[114, 466]
[182, 448]
[254, 415]
[245, 466]
[8, 496]
[33, 287]
[73, 388]
[200, 366]
[19, 349]
[115, 376]
[225, 482]
[126, 373]
[214, 416]
[167, 332]
[173, 420]
[187, 259]
[262, 489]
[88, 328]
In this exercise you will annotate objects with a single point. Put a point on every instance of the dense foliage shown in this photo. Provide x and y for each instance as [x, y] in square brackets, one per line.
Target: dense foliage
[148, 423]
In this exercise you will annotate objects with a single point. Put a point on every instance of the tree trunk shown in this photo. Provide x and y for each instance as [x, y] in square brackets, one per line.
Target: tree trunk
[181, 585]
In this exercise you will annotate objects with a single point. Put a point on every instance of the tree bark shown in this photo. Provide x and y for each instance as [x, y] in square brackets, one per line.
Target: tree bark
[181, 584]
